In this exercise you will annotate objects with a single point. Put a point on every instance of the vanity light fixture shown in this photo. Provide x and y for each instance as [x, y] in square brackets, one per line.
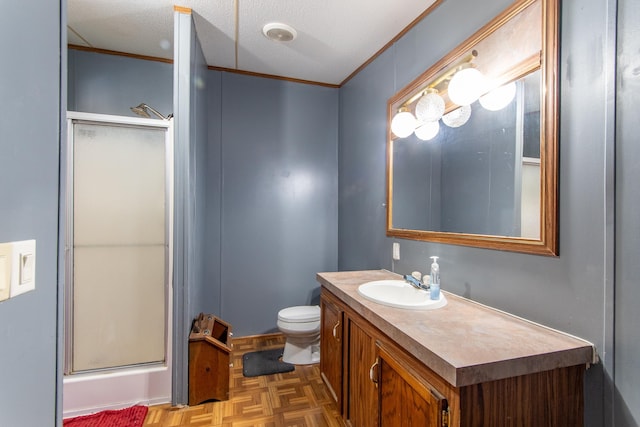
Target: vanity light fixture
[457, 117]
[499, 97]
[462, 83]
[430, 106]
[466, 86]
[403, 123]
[428, 130]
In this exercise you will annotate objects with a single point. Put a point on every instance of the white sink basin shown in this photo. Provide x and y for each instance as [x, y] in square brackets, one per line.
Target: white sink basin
[400, 294]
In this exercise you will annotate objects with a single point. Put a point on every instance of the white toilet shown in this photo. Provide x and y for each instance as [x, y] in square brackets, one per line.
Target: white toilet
[301, 328]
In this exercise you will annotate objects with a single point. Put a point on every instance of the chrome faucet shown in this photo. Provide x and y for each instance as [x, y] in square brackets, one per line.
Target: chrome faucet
[415, 282]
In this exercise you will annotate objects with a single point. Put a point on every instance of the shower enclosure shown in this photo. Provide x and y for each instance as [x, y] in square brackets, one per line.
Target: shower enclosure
[117, 262]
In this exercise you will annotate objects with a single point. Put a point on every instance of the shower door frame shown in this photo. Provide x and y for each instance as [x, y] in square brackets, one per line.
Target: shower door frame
[121, 386]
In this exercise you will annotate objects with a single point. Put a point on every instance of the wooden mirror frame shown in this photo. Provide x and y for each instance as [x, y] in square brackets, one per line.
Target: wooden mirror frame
[547, 244]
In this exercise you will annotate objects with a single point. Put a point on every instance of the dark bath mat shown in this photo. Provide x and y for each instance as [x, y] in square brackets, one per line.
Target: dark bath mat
[265, 362]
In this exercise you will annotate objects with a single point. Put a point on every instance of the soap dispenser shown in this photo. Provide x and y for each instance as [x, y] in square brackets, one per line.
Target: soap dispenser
[434, 293]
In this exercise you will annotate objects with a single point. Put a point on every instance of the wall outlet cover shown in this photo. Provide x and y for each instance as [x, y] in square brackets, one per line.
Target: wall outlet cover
[396, 251]
[23, 267]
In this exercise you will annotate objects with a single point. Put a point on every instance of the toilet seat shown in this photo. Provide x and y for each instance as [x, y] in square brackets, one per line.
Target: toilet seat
[300, 314]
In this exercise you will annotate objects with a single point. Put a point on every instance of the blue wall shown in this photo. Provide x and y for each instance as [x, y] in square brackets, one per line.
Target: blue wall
[278, 199]
[29, 159]
[190, 291]
[111, 84]
[213, 232]
[627, 299]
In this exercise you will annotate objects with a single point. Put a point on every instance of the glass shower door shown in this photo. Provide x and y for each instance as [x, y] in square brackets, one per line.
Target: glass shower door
[119, 241]
[118, 247]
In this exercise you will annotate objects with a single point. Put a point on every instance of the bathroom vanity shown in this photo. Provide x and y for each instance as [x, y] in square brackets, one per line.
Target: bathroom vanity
[464, 364]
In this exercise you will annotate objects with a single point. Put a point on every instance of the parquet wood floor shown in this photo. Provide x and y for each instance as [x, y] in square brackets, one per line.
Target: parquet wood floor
[297, 398]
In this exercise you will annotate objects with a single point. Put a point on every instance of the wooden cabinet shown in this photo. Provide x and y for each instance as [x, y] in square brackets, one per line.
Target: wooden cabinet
[361, 384]
[547, 398]
[407, 398]
[331, 347]
[376, 382]
[209, 359]
[363, 377]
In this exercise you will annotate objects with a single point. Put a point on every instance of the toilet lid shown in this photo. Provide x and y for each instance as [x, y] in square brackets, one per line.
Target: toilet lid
[301, 313]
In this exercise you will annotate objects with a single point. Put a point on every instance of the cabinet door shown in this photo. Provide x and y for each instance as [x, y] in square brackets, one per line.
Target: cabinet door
[362, 409]
[331, 348]
[405, 398]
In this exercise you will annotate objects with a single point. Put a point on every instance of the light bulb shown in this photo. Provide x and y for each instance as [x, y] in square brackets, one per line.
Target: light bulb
[499, 98]
[428, 130]
[466, 86]
[457, 117]
[430, 107]
[403, 123]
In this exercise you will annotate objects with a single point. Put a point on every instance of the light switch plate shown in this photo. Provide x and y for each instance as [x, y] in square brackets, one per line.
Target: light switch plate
[5, 270]
[23, 267]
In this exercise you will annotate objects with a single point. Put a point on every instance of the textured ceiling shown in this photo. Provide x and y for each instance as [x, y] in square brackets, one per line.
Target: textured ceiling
[335, 37]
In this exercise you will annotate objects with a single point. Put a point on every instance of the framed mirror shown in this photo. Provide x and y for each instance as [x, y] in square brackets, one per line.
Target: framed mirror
[472, 151]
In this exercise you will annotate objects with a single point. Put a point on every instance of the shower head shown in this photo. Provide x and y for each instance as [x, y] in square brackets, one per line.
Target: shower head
[143, 111]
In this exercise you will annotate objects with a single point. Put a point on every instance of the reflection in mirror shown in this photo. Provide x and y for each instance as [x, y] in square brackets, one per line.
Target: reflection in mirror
[489, 166]
[467, 167]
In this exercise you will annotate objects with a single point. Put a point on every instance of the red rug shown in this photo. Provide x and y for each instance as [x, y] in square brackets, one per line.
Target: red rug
[127, 417]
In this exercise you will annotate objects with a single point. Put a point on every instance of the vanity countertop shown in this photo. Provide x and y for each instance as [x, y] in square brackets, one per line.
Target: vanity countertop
[464, 342]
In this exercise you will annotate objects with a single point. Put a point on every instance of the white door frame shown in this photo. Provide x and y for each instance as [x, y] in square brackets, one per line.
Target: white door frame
[86, 393]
